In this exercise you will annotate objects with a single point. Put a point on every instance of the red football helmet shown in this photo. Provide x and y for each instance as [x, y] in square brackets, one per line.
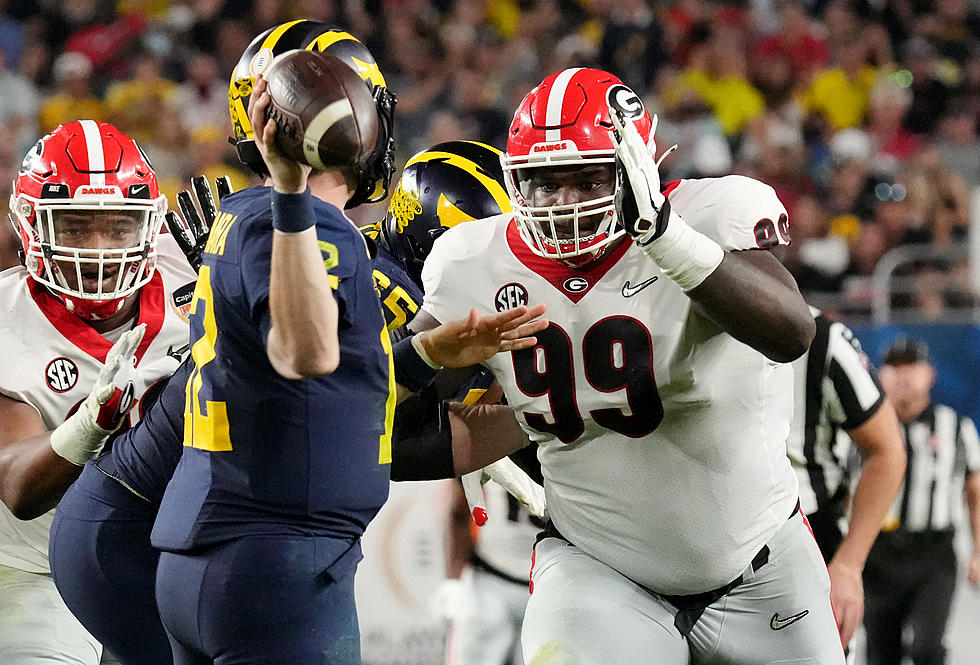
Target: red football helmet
[88, 209]
[565, 122]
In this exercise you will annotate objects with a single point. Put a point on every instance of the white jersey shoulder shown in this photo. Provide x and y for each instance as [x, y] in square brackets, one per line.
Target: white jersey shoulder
[735, 211]
[51, 361]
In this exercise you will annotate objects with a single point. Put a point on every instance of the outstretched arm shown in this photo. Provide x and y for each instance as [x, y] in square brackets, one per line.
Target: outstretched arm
[880, 441]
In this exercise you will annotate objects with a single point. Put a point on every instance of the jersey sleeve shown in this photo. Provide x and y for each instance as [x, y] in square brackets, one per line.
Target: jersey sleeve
[735, 211]
[971, 445]
[854, 393]
[441, 279]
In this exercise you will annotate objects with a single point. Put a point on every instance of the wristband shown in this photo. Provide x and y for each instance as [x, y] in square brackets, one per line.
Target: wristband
[79, 439]
[292, 213]
[412, 370]
[684, 254]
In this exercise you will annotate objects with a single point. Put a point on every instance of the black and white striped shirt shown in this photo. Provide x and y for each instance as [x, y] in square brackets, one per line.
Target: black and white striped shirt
[942, 449]
[836, 389]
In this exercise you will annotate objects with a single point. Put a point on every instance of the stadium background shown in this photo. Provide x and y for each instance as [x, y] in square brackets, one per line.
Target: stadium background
[863, 114]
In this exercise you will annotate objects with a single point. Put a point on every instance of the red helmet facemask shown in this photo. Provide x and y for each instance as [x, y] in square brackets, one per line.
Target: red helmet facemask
[564, 122]
[87, 207]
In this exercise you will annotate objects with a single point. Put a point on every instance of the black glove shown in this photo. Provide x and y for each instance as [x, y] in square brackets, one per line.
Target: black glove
[190, 229]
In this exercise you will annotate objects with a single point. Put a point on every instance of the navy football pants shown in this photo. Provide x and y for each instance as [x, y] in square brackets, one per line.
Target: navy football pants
[262, 600]
[105, 568]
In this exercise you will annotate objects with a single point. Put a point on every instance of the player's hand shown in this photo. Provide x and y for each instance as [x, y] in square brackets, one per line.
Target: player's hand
[476, 338]
[973, 570]
[288, 176]
[847, 598]
[82, 436]
[640, 204]
[191, 227]
[512, 478]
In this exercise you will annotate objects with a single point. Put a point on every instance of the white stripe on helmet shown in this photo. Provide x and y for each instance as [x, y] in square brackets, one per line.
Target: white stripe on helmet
[556, 100]
[96, 157]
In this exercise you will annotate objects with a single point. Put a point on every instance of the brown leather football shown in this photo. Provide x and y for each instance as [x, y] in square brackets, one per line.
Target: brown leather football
[324, 112]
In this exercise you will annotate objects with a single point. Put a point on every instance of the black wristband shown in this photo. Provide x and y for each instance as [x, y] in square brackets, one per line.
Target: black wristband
[292, 213]
[422, 439]
[410, 370]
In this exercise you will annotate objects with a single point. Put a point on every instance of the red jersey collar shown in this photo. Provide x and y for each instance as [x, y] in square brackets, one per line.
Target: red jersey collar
[151, 312]
[571, 282]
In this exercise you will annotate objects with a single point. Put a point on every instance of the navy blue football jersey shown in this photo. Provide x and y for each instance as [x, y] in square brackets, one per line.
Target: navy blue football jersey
[263, 454]
[400, 296]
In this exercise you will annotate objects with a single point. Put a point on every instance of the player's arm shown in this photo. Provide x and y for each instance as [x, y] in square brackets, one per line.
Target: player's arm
[749, 294]
[879, 440]
[37, 466]
[30, 470]
[972, 491]
[302, 340]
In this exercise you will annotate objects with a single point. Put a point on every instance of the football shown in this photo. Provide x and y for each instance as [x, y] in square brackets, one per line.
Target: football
[324, 112]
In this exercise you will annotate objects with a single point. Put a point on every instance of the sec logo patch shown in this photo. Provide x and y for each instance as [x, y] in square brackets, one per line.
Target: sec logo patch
[510, 296]
[61, 374]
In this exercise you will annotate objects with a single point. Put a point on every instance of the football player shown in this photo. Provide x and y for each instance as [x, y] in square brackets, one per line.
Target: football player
[287, 428]
[95, 272]
[659, 396]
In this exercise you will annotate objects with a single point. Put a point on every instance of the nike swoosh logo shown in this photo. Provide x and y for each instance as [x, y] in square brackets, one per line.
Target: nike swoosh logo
[778, 624]
[629, 290]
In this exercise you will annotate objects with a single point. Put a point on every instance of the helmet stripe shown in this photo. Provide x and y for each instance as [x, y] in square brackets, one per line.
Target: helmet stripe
[96, 156]
[556, 100]
[273, 38]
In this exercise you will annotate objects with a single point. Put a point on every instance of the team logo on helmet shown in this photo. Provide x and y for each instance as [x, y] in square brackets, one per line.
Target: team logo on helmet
[624, 100]
[61, 374]
[510, 296]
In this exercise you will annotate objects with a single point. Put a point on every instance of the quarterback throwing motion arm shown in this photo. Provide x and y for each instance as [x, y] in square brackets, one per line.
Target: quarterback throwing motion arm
[749, 294]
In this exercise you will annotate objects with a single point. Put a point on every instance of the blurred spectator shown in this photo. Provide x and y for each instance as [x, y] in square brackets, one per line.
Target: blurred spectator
[891, 141]
[849, 189]
[797, 39]
[955, 24]
[18, 113]
[73, 97]
[929, 83]
[205, 92]
[688, 122]
[632, 44]
[939, 199]
[132, 104]
[840, 92]
[958, 144]
[817, 258]
[718, 71]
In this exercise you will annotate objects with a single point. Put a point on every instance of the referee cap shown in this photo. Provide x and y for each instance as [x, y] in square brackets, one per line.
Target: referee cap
[905, 350]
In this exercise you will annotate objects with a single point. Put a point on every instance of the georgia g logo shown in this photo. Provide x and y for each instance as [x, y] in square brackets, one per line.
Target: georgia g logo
[625, 101]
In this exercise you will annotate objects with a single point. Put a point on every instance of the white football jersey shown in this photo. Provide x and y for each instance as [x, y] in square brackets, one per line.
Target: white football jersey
[50, 359]
[662, 438]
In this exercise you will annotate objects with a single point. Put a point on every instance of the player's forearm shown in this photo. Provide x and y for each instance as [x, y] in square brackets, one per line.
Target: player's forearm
[459, 545]
[879, 440]
[972, 491]
[752, 297]
[482, 434]
[302, 338]
[33, 478]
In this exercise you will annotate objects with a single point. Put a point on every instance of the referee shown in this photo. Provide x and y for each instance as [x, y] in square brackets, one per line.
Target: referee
[911, 571]
[837, 391]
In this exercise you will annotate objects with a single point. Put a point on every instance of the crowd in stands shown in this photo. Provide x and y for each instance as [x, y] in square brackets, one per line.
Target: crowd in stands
[862, 114]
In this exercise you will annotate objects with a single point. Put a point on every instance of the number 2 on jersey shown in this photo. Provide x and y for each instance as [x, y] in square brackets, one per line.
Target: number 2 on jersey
[205, 425]
[617, 354]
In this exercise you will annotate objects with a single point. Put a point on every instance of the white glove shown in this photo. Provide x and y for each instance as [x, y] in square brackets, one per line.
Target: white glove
[447, 600]
[639, 202]
[82, 436]
[512, 478]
